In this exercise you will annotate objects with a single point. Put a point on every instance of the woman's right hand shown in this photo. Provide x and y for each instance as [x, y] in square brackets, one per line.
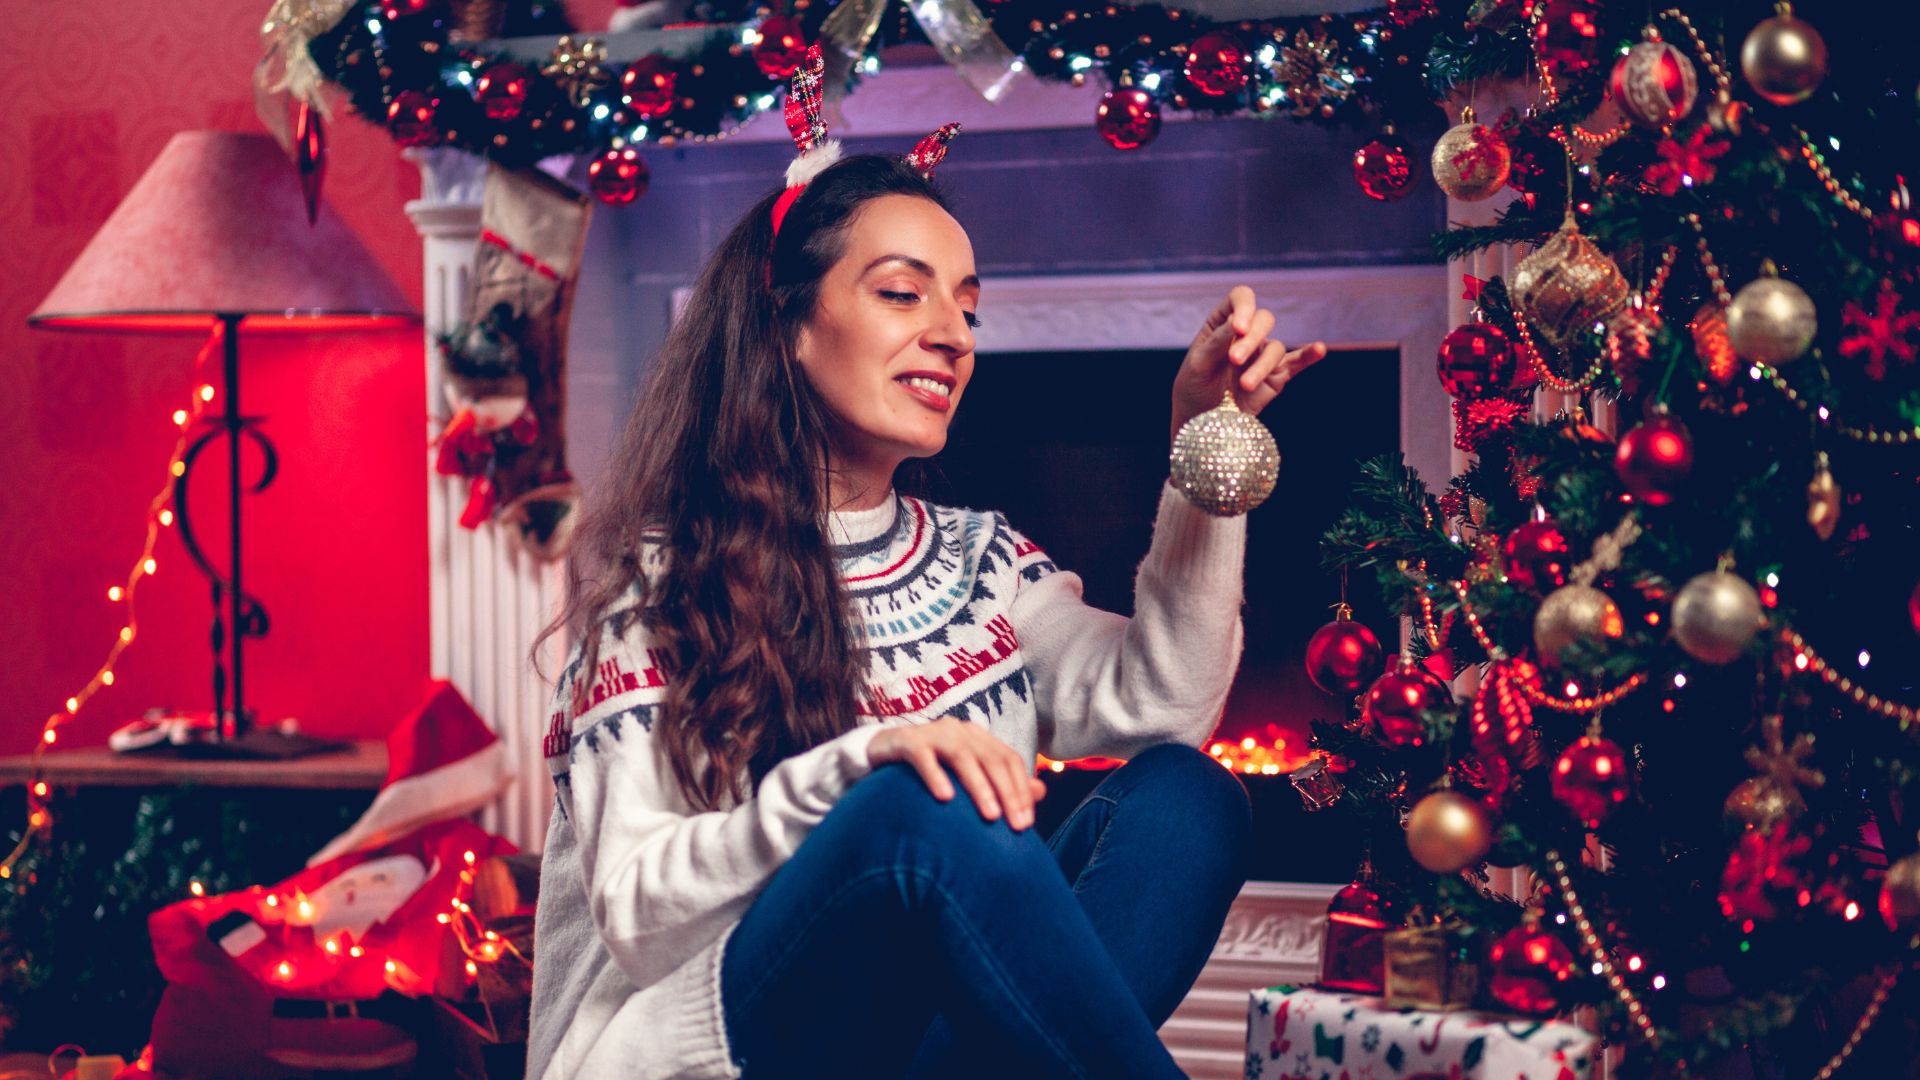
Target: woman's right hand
[993, 772]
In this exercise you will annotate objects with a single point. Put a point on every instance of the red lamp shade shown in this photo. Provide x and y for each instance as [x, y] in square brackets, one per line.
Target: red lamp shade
[218, 226]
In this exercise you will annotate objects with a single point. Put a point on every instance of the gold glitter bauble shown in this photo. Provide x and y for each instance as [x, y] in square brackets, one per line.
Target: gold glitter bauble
[1567, 285]
[1771, 321]
[1823, 500]
[1574, 613]
[1762, 802]
[1715, 616]
[1784, 60]
[1447, 831]
[1471, 161]
[1900, 896]
[1225, 461]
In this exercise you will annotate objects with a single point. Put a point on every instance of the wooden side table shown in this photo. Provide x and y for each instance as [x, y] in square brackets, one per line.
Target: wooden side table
[361, 767]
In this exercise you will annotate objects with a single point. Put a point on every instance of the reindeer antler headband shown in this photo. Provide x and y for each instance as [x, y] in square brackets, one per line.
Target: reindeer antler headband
[818, 150]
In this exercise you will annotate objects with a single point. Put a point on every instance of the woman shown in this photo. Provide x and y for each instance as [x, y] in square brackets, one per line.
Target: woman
[794, 758]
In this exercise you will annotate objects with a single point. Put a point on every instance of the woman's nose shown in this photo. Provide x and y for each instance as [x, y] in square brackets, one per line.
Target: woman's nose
[950, 332]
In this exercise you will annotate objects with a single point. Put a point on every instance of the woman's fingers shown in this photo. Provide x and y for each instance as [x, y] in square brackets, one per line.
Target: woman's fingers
[1014, 794]
[1252, 339]
[927, 764]
[974, 778]
[1283, 370]
[1262, 366]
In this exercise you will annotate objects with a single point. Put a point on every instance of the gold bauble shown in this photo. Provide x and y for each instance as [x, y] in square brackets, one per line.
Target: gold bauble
[1447, 831]
[1471, 161]
[1771, 321]
[1567, 285]
[1715, 616]
[1225, 461]
[1784, 60]
[1574, 613]
[1900, 896]
[1823, 500]
[1762, 802]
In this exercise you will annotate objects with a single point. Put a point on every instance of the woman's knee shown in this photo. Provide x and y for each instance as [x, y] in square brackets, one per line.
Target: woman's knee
[893, 808]
[1195, 781]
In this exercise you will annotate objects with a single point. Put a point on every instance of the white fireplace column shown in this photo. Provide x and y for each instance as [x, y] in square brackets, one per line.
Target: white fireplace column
[487, 601]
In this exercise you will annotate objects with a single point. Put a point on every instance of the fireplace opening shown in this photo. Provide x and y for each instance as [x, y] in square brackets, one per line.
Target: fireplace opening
[1072, 446]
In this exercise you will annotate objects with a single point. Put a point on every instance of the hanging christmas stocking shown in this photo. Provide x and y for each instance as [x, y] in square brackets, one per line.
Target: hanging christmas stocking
[505, 368]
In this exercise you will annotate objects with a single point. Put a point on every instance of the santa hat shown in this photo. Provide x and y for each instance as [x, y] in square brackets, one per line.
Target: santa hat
[442, 762]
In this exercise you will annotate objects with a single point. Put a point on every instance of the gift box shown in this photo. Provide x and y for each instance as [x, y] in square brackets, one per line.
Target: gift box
[1295, 1032]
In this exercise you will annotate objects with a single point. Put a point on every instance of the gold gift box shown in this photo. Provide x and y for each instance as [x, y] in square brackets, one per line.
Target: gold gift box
[1431, 967]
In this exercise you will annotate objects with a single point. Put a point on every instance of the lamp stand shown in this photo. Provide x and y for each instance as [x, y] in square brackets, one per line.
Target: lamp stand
[234, 734]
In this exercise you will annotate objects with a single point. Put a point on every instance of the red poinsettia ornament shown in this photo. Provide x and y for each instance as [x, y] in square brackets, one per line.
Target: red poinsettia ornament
[1685, 164]
[1877, 334]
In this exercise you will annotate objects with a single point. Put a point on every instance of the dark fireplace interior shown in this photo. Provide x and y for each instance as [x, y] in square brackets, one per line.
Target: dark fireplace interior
[1072, 446]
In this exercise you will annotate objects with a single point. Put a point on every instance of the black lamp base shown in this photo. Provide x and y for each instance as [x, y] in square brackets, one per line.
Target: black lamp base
[259, 744]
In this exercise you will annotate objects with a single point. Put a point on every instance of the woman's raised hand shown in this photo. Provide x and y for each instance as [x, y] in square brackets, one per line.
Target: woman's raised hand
[1232, 348]
[995, 774]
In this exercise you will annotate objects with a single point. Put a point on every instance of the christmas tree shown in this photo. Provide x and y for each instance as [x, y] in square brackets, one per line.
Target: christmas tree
[1674, 587]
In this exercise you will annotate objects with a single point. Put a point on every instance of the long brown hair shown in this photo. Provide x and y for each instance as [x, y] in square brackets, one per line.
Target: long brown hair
[724, 460]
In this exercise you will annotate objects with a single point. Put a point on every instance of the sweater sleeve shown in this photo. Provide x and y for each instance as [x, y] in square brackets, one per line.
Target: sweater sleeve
[663, 882]
[1111, 686]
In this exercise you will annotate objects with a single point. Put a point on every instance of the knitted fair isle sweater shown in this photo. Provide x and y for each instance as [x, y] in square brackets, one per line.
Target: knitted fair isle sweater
[963, 616]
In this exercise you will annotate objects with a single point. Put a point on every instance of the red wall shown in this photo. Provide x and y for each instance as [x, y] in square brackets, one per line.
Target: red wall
[90, 90]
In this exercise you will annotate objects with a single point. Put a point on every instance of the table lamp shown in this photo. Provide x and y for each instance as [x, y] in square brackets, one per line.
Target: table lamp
[214, 238]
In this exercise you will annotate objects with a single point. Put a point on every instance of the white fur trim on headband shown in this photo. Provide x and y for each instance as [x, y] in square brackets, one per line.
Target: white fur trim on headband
[814, 162]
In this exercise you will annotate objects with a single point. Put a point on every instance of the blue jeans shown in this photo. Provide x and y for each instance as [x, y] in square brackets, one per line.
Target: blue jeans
[911, 937]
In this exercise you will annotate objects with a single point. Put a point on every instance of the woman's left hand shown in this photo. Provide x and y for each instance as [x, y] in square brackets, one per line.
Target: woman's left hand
[1232, 348]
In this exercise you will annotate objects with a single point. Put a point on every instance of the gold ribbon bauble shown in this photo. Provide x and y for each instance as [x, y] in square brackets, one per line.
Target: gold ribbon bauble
[957, 28]
[1567, 285]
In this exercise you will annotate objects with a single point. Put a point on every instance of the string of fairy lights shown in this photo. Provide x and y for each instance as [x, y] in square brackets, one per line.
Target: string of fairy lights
[159, 516]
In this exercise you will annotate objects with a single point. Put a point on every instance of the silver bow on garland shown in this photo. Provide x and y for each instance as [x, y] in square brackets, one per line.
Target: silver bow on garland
[963, 36]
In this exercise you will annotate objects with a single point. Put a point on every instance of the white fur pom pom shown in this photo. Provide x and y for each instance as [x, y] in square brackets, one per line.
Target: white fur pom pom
[814, 162]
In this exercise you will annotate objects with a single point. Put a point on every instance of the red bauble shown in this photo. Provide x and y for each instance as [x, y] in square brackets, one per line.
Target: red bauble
[1566, 38]
[1476, 360]
[1128, 118]
[618, 177]
[1913, 608]
[1383, 170]
[1536, 556]
[647, 86]
[1528, 967]
[1353, 955]
[1654, 84]
[1654, 459]
[781, 47]
[501, 90]
[1218, 64]
[1394, 703]
[1591, 778]
[1344, 656]
[410, 117]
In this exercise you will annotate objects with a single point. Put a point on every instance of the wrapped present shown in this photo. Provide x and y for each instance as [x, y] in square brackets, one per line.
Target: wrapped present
[1431, 967]
[1294, 1032]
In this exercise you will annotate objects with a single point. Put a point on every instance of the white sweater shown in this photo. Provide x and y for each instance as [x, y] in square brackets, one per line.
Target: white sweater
[963, 616]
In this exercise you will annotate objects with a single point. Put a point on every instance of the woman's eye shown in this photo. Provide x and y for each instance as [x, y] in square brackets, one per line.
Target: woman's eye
[899, 297]
[973, 321]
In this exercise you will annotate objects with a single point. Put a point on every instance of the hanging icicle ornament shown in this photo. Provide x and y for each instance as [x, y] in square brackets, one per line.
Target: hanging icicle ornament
[1225, 460]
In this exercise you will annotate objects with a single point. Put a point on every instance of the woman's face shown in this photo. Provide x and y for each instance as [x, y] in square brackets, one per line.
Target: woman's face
[890, 343]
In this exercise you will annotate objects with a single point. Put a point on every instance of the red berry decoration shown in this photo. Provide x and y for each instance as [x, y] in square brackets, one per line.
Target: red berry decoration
[1383, 170]
[1343, 655]
[1218, 64]
[1536, 556]
[1654, 83]
[1476, 361]
[395, 10]
[647, 86]
[781, 47]
[1128, 118]
[1591, 778]
[1528, 967]
[1654, 459]
[1395, 701]
[501, 90]
[1567, 38]
[410, 118]
[618, 177]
